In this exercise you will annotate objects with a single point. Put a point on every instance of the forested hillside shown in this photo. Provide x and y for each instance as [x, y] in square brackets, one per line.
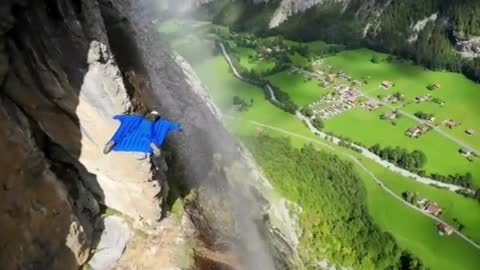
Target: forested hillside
[440, 34]
[335, 216]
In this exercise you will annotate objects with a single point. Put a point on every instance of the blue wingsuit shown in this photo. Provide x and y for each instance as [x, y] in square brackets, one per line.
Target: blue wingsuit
[136, 133]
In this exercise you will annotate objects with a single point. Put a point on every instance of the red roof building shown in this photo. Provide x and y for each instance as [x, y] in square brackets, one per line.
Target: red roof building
[433, 209]
[445, 229]
[451, 124]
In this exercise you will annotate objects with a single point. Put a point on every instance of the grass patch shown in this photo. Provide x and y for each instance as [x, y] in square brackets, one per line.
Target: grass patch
[302, 91]
[460, 94]
[412, 230]
[366, 127]
[178, 209]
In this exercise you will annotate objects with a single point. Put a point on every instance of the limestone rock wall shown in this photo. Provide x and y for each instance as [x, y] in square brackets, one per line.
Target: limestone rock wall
[60, 86]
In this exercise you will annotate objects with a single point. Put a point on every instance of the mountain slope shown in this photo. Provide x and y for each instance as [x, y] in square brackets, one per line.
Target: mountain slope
[439, 34]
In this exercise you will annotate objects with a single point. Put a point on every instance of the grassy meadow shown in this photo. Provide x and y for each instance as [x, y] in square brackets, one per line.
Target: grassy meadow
[411, 230]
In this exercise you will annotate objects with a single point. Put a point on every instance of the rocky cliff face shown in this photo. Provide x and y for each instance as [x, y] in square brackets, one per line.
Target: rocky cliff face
[439, 34]
[60, 87]
[66, 68]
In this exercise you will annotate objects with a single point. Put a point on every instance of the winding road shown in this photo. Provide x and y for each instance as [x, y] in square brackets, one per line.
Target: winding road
[370, 173]
[273, 98]
[435, 128]
[392, 167]
[365, 152]
[406, 114]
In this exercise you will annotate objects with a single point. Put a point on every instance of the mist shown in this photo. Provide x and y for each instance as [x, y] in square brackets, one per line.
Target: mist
[214, 161]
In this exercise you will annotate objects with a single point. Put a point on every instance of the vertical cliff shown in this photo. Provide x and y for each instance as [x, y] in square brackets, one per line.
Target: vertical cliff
[66, 68]
[59, 88]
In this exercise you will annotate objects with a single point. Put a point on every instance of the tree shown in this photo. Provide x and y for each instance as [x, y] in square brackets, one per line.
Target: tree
[307, 111]
[375, 59]
[240, 104]
[318, 123]
[375, 148]
[424, 116]
[477, 195]
[406, 196]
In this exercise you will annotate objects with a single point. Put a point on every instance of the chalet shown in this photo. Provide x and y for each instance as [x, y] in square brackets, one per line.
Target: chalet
[332, 76]
[433, 209]
[372, 105]
[387, 84]
[392, 116]
[466, 151]
[451, 124]
[352, 99]
[259, 130]
[445, 229]
[413, 132]
[423, 128]
[392, 99]
[422, 99]
[471, 132]
[422, 201]
[418, 130]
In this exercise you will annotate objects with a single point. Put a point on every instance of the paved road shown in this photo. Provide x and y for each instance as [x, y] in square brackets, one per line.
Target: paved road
[370, 173]
[238, 75]
[390, 166]
[365, 152]
[411, 116]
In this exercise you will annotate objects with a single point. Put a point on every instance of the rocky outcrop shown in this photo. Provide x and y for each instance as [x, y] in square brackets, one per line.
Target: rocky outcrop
[66, 68]
[59, 88]
[112, 243]
[467, 47]
[290, 7]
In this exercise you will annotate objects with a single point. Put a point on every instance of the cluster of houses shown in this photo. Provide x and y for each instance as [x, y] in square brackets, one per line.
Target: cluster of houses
[418, 131]
[346, 99]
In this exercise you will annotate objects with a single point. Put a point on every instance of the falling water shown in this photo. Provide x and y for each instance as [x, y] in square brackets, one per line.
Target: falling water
[205, 149]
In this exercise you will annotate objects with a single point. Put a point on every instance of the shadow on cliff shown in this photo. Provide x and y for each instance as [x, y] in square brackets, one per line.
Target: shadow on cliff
[198, 157]
[48, 215]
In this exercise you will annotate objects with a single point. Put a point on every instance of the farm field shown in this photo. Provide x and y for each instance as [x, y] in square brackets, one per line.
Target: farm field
[412, 230]
[442, 155]
[247, 60]
[459, 94]
[303, 92]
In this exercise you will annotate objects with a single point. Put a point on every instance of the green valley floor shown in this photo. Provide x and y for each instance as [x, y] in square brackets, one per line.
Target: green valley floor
[409, 228]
